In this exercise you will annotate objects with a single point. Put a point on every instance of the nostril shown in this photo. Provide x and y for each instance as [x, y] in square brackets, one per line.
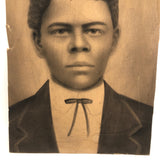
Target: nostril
[85, 49]
[74, 49]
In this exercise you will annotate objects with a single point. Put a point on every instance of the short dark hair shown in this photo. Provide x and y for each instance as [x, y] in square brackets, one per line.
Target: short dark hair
[38, 7]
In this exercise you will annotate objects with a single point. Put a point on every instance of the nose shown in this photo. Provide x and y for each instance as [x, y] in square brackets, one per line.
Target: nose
[78, 43]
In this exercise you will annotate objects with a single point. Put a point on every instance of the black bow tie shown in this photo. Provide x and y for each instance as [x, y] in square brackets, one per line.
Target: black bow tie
[83, 101]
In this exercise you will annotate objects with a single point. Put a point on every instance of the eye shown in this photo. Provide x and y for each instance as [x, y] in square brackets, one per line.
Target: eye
[60, 32]
[94, 32]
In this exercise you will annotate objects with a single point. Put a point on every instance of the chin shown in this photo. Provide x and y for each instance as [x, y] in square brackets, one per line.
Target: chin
[83, 84]
[80, 82]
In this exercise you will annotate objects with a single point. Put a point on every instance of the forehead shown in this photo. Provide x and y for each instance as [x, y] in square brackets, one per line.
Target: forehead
[77, 11]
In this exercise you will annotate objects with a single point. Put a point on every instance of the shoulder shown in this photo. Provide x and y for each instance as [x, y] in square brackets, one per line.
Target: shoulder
[31, 103]
[143, 111]
[18, 108]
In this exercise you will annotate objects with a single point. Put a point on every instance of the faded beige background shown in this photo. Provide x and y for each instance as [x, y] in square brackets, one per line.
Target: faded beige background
[131, 70]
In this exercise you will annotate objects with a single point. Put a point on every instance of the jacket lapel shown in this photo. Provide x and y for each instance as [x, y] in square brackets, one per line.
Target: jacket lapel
[119, 123]
[36, 125]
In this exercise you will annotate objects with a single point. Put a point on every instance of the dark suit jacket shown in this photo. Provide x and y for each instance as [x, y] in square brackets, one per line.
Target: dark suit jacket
[125, 127]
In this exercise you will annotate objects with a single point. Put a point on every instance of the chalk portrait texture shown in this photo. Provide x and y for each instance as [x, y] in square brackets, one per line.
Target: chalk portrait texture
[131, 69]
[133, 64]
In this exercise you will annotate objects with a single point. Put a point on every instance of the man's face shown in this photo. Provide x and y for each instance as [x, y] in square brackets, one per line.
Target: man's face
[76, 41]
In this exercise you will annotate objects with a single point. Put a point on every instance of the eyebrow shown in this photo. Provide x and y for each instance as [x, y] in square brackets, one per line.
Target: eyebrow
[94, 23]
[59, 24]
[62, 24]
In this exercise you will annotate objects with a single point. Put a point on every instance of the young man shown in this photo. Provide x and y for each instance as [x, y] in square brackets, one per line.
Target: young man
[77, 111]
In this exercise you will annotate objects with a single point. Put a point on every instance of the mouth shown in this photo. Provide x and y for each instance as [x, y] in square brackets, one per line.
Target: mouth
[79, 65]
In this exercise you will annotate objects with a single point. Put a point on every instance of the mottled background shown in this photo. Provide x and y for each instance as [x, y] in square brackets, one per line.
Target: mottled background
[131, 70]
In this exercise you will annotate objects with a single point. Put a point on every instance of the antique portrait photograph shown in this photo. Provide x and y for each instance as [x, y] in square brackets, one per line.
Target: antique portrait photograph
[81, 75]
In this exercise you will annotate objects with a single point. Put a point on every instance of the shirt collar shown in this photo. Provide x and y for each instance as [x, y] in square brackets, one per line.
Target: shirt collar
[58, 94]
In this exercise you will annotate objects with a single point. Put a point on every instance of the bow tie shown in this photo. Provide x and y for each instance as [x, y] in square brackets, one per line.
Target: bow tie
[83, 101]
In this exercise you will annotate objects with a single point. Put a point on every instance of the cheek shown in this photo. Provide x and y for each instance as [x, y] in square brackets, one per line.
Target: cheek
[53, 53]
[101, 61]
[102, 50]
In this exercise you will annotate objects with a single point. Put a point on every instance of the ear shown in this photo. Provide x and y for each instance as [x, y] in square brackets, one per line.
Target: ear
[37, 43]
[116, 35]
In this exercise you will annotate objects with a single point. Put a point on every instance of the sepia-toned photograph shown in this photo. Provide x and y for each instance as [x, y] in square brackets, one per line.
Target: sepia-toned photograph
[81, 75]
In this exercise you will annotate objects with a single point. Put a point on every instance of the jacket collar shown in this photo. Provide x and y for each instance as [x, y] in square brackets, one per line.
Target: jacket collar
[118, 122]
[36, 124]
[118, 115]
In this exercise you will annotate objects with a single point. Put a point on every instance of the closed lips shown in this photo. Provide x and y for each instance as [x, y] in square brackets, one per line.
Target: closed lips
[80, 64]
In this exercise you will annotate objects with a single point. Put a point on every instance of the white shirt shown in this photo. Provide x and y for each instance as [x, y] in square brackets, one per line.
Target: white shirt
[62, 116]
